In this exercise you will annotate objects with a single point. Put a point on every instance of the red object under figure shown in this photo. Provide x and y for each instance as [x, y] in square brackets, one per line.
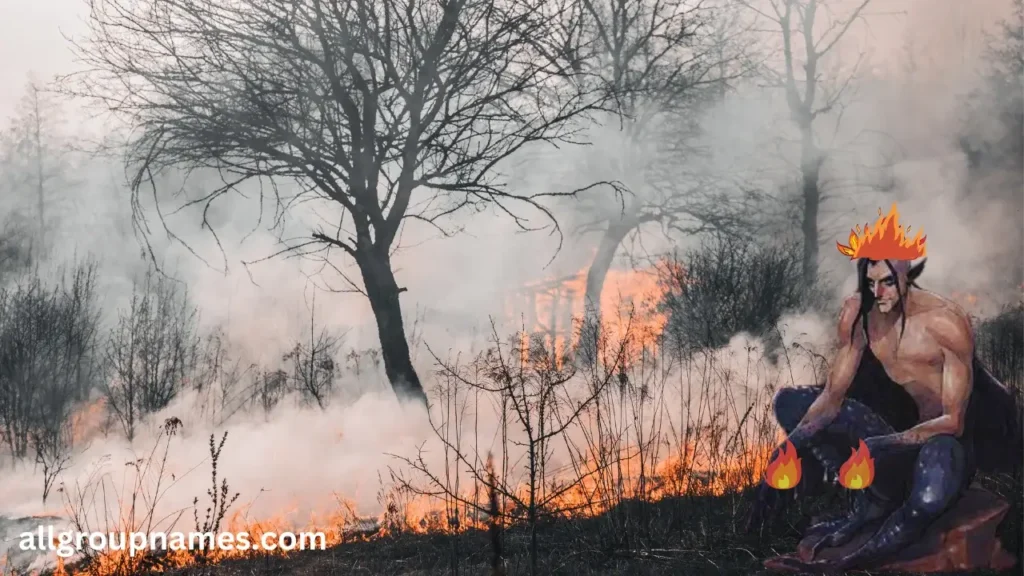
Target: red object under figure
[962, 539]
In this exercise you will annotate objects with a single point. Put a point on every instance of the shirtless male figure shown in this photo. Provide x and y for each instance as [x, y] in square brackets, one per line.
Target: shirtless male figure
[926, 345]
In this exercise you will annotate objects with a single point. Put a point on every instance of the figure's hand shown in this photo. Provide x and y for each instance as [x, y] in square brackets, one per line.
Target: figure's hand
[766, 499]
[889, 445]
[877, 445]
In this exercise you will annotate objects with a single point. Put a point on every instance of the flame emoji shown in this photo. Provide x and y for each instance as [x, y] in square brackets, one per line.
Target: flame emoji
[886, 240]
[784, 472]
[859, 471]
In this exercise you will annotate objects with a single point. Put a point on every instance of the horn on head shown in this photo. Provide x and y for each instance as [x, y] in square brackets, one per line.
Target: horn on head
[916, 270]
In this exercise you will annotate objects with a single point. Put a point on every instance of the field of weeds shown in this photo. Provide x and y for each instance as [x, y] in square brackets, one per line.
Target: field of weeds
[668, 498]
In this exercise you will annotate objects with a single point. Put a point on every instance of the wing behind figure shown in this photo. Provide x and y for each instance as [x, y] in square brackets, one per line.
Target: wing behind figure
[994, 421]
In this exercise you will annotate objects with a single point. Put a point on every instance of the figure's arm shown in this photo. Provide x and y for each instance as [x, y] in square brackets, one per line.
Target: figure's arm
[826, 406]
[954, 335]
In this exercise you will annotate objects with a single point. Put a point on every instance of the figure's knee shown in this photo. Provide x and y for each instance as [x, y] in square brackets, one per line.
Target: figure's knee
[939, 475]
[859, 421]
[791, 404]
[944, 450]
[781, 402]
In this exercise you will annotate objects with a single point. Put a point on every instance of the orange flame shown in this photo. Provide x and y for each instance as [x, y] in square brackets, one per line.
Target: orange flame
[629, 312]
[690, 472]
[87, 421]
[784, 472]
[601, 478]
[859, 471]
[886, 240]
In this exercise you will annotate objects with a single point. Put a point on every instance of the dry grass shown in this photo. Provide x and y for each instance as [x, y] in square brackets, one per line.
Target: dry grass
[635, 463]
[630, 513]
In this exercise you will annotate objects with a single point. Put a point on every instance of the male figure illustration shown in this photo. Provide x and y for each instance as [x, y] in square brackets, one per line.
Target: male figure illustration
[966, 420]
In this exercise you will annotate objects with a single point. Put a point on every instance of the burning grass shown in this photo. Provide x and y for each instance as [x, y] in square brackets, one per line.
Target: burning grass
[528, 441]
[636, 462]
[643, 490]
[631, 311]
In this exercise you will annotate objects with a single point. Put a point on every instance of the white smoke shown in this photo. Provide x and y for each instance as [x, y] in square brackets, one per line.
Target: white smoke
[297, 459]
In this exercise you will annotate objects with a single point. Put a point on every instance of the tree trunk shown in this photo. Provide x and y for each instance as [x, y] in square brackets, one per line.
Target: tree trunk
[596, 275]
[383, 291]
[531, 511]
[810, 170]
[38, 142]
[598, 271]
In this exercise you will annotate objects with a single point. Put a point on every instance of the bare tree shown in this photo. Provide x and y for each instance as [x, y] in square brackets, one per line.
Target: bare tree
[53, 452]
[268, 388]
[75, 371]
[811, 95]
[728, 286]
[15, 247]
[152, 352]
[314, 363]
[37, 157]
[382, 111]
[660, 62]
[48, 361]
[218, 377]
[538, 399]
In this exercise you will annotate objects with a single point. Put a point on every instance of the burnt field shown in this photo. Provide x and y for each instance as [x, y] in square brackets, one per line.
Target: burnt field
[672, 536]
[654, 527]
[504, 287]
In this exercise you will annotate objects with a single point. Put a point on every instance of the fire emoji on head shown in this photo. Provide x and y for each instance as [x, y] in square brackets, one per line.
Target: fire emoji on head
[784, 472]
[885, 240]
[859, 471]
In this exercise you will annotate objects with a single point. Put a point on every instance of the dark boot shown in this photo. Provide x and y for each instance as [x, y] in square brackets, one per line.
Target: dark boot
[940, 476]
[869, 505]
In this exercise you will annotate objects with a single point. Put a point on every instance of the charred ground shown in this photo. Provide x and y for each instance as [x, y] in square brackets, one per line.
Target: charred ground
[675, 536]
[693, 534]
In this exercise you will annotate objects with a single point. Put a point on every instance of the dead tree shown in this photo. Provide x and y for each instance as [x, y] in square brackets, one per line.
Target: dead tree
[48, 362]
[37, 158]
[541, 396]
[15, 249]
[218, 379]
[53, 452]
[314, 363]
[152, 352]
[382, 111]
[75, 370]
[660, 62]
[268, 388]
[810, 96]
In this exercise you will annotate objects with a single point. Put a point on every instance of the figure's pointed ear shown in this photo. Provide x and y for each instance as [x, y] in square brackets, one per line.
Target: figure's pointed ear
[916, 270]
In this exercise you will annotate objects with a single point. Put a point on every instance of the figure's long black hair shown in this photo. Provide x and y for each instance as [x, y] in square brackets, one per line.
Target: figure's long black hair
[867, 296]
[872, 385]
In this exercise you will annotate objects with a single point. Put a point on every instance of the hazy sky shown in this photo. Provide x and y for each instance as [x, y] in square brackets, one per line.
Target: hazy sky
[945, 36]
[31, 41]
[31, 33]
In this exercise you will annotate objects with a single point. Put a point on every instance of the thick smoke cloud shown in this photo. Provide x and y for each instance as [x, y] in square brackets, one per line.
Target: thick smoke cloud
[299, 458]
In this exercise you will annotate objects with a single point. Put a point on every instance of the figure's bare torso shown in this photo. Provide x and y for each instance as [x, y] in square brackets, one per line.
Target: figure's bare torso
[915, 360]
